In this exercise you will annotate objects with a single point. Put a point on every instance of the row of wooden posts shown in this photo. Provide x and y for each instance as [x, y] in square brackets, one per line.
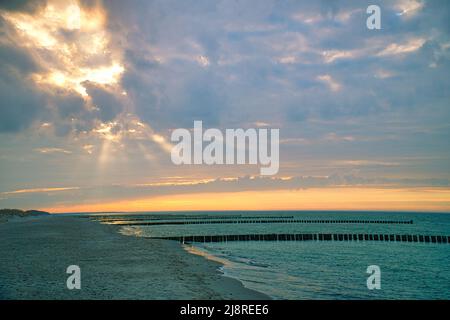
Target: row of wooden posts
[239, 221]
[312, 237]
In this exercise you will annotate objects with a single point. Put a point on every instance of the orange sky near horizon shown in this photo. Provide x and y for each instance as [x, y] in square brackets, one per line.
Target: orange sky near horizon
[337, 198]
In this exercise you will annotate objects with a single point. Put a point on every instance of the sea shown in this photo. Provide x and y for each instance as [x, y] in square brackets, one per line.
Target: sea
[286, 267]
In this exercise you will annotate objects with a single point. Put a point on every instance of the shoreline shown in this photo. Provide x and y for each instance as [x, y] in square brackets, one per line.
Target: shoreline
[35, 253]
[191, 249]
[230, 283]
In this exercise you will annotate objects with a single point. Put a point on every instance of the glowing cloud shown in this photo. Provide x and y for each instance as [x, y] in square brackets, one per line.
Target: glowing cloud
[330, 82]
[39, 190]
[67, 63]
[398, 49]
[409, 7]
[52, 150]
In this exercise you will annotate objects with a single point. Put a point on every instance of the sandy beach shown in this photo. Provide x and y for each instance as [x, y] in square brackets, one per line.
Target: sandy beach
[35, 252]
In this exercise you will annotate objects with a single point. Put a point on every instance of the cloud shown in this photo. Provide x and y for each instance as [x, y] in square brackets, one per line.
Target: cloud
[173, 186]
[176, 68]
[111, 80]
[335, 138]
[52, 150]
[22, 5]
[21, 102]
[203, 61]
[50, 55]
[330, 82]
[397, 49]
[88, 148]
[409, 7]
[39, 190]
[107, 104]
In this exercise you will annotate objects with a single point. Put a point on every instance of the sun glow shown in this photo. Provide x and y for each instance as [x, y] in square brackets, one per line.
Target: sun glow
[71, 44]
[58, 78]
[103, 75]
[416, 199]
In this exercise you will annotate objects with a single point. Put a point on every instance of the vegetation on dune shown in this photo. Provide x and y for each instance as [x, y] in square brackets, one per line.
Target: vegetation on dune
[8, 213]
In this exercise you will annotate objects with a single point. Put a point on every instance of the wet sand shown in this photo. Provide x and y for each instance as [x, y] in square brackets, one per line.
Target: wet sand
[35, 252]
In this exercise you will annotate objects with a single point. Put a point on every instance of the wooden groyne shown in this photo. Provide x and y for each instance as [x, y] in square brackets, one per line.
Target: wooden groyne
[238, 221]
[312, 237]
[181, 218]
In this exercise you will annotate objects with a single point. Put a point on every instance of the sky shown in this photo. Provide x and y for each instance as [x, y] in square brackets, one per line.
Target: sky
[90, 92]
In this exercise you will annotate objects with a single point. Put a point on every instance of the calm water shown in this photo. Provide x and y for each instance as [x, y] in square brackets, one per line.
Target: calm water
[323, 270]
